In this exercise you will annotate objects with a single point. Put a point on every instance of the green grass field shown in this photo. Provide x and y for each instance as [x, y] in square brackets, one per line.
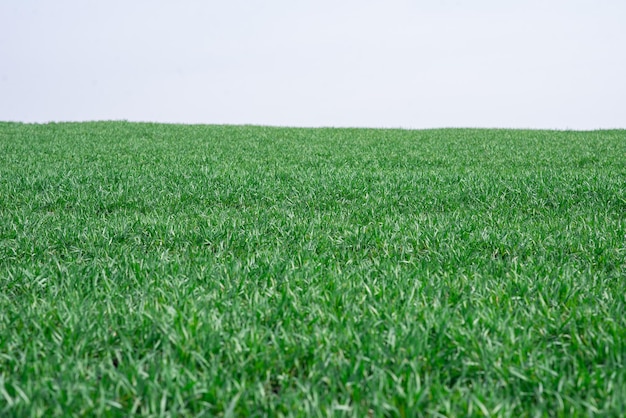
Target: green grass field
[171, 270]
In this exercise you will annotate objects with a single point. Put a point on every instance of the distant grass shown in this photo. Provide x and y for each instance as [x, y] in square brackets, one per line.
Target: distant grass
[246, 271]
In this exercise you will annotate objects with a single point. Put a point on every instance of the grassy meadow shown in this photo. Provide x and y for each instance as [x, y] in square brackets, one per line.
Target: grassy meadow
[178, 270]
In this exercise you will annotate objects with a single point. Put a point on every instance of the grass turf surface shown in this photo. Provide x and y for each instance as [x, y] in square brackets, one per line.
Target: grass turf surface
[240, 271]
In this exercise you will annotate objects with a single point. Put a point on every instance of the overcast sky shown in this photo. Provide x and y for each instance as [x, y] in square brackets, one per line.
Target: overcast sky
[372, 63]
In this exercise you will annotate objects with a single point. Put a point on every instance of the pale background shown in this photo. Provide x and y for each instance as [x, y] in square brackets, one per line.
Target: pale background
[388, 63]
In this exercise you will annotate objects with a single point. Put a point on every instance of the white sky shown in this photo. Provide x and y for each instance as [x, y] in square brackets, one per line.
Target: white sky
[372, 63]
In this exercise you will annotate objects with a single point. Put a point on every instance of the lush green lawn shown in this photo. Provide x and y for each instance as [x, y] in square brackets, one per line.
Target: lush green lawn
[216, 270]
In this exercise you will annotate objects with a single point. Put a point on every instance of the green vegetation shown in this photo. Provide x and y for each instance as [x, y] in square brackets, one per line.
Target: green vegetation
[246, 271]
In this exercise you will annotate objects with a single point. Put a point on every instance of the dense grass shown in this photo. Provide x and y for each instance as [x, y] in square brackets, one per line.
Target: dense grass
[245, 271]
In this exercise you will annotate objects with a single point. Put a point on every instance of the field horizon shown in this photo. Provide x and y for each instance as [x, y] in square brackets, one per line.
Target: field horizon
[307, 127]
[156, 269]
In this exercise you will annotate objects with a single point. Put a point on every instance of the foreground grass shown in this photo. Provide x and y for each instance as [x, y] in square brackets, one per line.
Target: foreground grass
[243, 271]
